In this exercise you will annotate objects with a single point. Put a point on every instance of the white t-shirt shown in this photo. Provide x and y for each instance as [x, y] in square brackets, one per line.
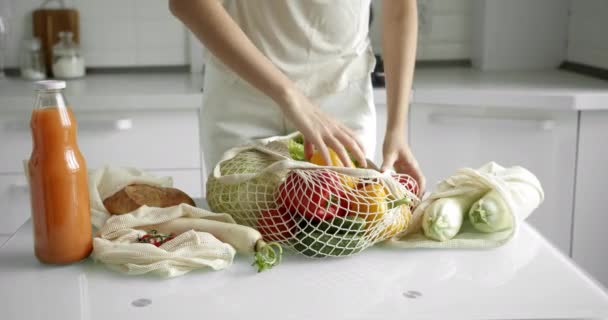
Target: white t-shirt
[321, 45]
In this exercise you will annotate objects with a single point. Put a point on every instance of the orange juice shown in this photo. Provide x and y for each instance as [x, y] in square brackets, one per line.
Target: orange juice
[58, 181]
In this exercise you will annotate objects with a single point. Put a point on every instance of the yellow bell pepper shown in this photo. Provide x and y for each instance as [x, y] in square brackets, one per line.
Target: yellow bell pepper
[372, 202]
[399, 223]
[369, 201]
[317, 158]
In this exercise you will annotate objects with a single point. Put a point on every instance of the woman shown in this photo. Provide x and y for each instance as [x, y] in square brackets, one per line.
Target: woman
[305, 65]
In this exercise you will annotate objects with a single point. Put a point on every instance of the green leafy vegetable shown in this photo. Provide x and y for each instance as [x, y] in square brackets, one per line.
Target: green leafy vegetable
[296, 150]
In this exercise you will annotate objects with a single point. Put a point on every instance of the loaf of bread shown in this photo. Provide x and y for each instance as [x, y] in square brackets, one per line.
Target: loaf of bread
[132, 197]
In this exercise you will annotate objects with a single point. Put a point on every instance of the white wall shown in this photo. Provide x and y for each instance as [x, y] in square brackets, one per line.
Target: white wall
[588, 33]
[446, 35]
[520, 34]
[113, 32]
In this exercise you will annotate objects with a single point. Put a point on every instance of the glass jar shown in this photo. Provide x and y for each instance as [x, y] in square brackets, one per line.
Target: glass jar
[68, 62]
[57, 174]
[32, 65]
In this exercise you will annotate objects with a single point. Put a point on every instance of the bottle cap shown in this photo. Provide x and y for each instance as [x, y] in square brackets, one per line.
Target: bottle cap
[50, 85]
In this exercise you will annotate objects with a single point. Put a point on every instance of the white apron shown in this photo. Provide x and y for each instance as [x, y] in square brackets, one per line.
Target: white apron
[321, 45]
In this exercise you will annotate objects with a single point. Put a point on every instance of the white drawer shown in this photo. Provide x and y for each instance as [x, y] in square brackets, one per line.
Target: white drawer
[14, 203]
[143, 139]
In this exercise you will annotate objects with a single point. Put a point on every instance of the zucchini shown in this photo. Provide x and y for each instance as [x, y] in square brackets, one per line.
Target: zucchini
[318, 244]
[443, 218]
[491, 214]
[350, 224]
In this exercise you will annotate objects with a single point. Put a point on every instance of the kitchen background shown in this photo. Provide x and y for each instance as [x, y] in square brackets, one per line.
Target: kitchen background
[513, 105]
[143, 32]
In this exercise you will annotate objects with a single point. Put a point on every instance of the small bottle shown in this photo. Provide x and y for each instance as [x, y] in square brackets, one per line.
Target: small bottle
[68, 62]
[32, 66]
[58, 180]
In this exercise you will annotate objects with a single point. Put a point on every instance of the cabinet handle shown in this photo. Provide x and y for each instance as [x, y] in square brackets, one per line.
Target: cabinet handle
[454, 119]
[122, 124]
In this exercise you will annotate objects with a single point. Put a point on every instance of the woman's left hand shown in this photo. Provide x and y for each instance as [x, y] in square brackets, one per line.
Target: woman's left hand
[397, 154]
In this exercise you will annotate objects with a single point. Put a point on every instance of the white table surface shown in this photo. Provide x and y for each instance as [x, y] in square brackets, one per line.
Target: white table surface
[3, 239]
[525, 279]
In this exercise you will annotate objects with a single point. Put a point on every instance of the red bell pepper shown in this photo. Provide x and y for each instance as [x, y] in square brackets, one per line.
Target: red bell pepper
[276, 225]
[316, 195]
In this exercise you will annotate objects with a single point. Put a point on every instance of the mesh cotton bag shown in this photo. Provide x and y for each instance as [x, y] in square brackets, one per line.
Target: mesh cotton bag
[315, 210]
[115, 243]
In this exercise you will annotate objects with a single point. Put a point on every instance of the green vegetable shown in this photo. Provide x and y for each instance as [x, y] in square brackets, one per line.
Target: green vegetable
[491, 213]
[299, 139]
[350, 224]
[443, 218]
[250, 196]
[318, 244]
[296, 150]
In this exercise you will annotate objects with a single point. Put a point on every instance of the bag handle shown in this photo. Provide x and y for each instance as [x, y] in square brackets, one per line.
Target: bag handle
[283, 163]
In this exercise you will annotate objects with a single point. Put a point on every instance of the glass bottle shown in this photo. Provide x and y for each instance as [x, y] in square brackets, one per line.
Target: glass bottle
[32, 65]
[68, 62]
[58, 180]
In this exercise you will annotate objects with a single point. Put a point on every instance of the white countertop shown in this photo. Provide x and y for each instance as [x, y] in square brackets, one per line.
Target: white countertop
[555, 90]
[552, 89]
[114, 92]
[525, 279]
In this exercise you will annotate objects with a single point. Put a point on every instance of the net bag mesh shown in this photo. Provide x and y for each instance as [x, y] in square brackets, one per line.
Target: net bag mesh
[314, 210]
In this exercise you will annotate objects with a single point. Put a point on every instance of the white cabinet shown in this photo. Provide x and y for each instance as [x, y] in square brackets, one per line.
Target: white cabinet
[590, 238]
[163, 142]
[446, 138]
[144, 139]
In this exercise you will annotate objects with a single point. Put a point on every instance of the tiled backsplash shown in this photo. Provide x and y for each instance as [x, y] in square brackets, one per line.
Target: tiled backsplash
[113, 32]
[587, 41]
[117, 33]
[447, 35]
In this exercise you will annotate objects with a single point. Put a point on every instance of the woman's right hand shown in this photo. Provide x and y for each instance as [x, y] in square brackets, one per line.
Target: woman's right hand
[321, 130]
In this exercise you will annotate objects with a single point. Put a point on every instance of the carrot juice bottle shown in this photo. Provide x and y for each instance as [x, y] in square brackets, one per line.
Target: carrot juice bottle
[58, 180]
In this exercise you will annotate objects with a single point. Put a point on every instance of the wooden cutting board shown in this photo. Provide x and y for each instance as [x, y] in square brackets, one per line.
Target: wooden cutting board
[47, 25]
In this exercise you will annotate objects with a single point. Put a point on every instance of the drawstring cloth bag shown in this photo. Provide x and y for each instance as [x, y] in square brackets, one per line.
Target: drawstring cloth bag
[115, 243]
[518, 187]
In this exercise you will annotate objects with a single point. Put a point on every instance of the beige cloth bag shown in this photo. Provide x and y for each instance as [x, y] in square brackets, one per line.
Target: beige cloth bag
[115, 243]
[520, 189]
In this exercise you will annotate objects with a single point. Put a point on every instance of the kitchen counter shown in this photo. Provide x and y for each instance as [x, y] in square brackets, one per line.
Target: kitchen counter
[114, 92]
[552, 89]
[525, 279]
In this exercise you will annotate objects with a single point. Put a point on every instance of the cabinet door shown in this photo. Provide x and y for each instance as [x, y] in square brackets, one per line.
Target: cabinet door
[446, 138]
[144, 139]
[590, 238]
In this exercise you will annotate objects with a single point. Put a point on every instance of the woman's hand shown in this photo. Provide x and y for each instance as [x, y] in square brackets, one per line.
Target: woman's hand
[321, 130]
[397, 154]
